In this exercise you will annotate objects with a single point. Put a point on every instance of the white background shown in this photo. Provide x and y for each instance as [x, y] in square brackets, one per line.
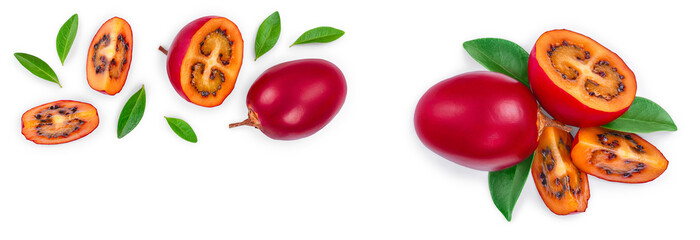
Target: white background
[365, 175]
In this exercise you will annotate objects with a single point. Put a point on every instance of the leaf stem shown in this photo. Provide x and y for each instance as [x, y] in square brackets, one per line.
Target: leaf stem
[163, 50]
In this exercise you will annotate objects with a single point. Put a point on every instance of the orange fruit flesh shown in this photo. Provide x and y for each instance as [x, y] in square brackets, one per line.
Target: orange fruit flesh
[586, 70]
[563, 188]
[210, 67]
[59, 122]
[109, 57]
[617, 156]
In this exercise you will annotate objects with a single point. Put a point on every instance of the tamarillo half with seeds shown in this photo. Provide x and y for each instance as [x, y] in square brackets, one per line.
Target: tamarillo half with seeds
[109, 56]
[204, 60]
[59, 122]
[295, 99]
[578, 81]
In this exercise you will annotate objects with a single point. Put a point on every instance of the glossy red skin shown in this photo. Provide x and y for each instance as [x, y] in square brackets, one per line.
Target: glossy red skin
[482, 120]
[296, 99]
[560, 104]
[178, 50]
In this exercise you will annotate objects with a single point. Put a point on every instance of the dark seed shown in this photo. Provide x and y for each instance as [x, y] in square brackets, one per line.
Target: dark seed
[565, 43]
[61, 111]
[542, 175]
[608, 171]
[588, 55]
[559, 195]
[557, 181]
[626, 174]
[38, 116]
[550, 167]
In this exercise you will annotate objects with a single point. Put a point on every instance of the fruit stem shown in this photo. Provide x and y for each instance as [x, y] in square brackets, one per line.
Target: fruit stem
[163, 50]
[544, 121]
[252, 120]
[246, 122]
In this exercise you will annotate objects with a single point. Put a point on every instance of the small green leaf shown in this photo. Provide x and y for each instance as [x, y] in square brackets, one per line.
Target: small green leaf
[182, 129]
[505, 186]
[643, 116]
[268, 34]
[319, 35]
[131, 113]
[65, 37]
[500, 55]
[37, 67]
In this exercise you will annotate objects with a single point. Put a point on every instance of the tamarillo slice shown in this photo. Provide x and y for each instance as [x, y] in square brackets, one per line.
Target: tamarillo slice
[617, 156]
[109, 56]
[59, 122]
[562, 186]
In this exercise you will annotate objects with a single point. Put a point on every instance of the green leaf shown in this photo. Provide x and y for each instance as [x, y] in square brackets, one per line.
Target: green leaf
[182, 129]
[268, 34]
[65, 37]
[131, 113]
[37, 67]
[505, 186]
[500, 55]
[319, 35]
[643, 116]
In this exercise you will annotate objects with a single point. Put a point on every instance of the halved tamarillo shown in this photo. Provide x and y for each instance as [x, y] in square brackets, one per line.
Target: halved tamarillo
[59, 122]
[562, 186]
[617, 156]
[578, 81]
[482, 120]
[295, 99]
[109, 56]
[204, 60]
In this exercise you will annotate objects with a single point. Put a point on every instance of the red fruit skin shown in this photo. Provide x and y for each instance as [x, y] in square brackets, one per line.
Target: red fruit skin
[482, 120]
[559, 104]
[295, 99]
[178, 50]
